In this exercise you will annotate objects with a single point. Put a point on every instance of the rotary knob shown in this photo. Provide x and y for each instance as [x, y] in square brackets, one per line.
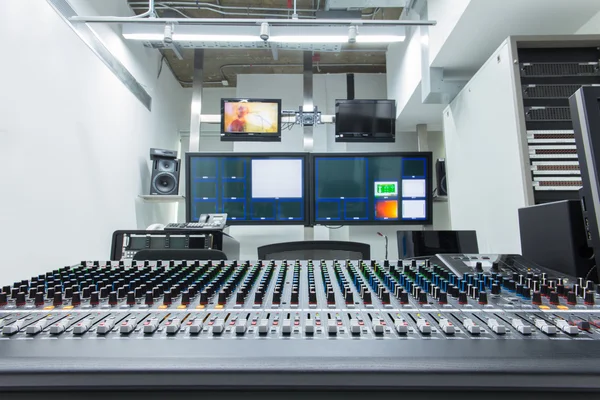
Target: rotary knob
[443, 298]
[536, 298]
[589, 298]
[462, 298]
[483, 300]
[572, 298]
[554, 299]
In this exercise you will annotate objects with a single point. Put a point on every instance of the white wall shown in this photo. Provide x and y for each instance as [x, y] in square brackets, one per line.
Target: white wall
[77, 142]
[486, 175]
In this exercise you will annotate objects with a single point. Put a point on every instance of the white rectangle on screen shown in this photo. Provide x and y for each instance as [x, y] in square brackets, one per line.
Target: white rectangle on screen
[413, 209]
[276, 179]
[413, 188]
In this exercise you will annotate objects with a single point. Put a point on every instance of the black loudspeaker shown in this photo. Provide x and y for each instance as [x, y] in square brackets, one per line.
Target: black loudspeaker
[440, 169]
[165, 172]
[553, 235]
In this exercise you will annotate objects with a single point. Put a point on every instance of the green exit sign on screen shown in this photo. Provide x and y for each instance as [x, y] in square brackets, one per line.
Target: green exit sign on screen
[386, 189]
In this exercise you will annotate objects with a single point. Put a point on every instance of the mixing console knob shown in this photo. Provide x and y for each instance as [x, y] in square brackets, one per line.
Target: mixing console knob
[385, 296]
[515, 276]
[104, 292]
[149, 298]
[354, 327]
[454, 292]
[367, 297]
[423, 298]
[294, 297]
[349, 297]
[222, 298]
[57, 301]
[39, 299]
[404, 298]
[4, 299]
[572, 298]
[151, 325]
[519, 289]
[560, 289]
[68, 293]
[20, 301]
[49, 294]
[526, 292]
[462, 298]
[174, 325]
[277, 297]
[589, 298]
[564, 326]
[518, 324]
[76, 299]
[443, 298]
[495, 289]
[240, 326]
[130, 298]
[589, 285]
[554, 300]
[309, 327]
[495, 267]
[537, 298]
[312, 296]
[483, 298]
[196, 327]
[478, 267]
[167, 298]
[423, 326]
[447, 326]
[545, 327]
[203, 297]
[545, 290]
[496, 327]
[105, 326]
[82, 326]
[218, 326]
[86, 292]
[122, 292]
[112, 298]
[332, 328]
[286, 327]
[263, 327]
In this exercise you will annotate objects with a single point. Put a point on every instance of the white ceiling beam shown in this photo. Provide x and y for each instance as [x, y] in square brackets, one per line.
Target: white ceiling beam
[345, 4]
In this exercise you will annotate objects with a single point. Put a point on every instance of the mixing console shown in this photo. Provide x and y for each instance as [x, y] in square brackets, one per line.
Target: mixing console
[454, 313]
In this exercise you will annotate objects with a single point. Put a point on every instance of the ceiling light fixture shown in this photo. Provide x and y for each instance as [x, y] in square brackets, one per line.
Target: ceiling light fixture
[352, 34]
[168, 36]
[264, 31]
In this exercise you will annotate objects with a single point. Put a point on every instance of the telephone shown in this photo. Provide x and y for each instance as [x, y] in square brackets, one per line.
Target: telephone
[207, 222]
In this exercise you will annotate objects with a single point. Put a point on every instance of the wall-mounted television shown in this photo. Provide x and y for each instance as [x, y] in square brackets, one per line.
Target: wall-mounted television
[365, 120]
[256, 120]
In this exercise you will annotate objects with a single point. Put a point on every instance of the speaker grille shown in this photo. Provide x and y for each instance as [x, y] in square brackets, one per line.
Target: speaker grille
[560, 69]
[164, 183]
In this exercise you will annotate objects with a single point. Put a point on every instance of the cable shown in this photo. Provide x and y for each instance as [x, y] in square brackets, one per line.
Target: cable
[333, 227]
[162, 60]
[588, 273]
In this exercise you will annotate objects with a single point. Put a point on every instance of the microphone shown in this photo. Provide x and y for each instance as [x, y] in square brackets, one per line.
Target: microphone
[386, 243]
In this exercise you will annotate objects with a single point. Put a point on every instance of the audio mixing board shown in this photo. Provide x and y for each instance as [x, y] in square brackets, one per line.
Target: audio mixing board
[470, 321]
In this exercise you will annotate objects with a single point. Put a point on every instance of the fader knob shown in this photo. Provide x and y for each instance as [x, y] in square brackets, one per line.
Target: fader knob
[536, 298]
[462, 298]
[554, 300]
[589, 298]
[571, 298]
[76, 299]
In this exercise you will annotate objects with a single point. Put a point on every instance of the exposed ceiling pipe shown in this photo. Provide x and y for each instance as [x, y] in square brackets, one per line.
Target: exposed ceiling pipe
[177, 10]
[149, 13]
[193, 5]
[228, 66]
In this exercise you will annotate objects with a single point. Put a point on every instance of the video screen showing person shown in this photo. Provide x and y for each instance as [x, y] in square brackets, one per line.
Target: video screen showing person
[251, 117]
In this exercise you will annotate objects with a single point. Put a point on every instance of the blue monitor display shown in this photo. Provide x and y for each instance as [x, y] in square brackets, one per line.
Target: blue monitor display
[252, 188]
[372, 189]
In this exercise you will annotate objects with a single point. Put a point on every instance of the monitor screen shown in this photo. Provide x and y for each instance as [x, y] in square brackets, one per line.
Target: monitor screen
[252, 188]
[365, 120]
[250, 120]
[382, 188]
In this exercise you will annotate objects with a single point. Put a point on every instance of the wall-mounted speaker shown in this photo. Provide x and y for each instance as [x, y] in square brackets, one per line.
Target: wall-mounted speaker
[440, 168]
[165, 172]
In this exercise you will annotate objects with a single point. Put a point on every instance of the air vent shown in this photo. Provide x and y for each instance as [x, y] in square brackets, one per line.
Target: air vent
[559, 69]
[549, 91]
[547, 114]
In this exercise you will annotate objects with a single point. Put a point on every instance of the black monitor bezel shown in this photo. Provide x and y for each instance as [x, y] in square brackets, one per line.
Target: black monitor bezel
[250, 136]
[306, 185]
[365, 139]
[429, 183]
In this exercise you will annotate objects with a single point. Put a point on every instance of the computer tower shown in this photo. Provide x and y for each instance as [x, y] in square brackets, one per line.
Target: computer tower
[553, 235]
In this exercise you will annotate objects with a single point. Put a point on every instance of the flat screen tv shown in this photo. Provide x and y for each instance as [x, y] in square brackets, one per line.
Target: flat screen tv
[256, 120]
[365, 120]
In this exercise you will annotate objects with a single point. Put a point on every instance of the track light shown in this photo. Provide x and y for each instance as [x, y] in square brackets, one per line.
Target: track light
[352, 34]
[168, 37]
[264, 31]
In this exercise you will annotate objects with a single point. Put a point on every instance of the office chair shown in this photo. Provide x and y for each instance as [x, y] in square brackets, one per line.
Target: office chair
[315, 250]
[170, 254]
